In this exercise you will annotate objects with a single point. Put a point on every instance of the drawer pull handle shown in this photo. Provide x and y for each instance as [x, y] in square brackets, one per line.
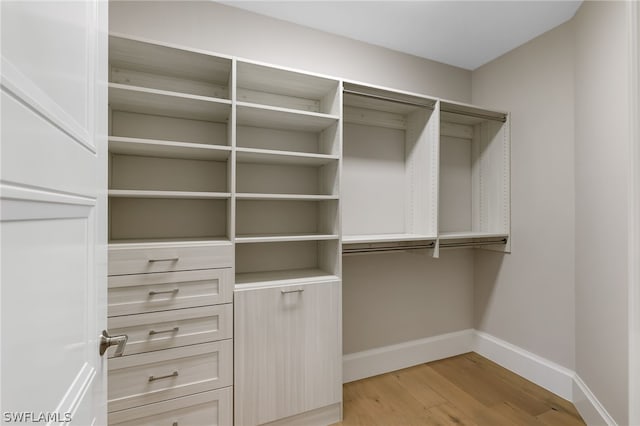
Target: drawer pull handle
[168, 376]
[172, 330]
[168, 259]
[174, 291]
[298, 290]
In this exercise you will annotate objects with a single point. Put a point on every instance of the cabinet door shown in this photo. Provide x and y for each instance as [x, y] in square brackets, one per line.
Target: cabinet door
[287, 351]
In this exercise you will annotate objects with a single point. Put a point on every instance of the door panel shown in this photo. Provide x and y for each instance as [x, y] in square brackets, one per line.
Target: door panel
[53, 210]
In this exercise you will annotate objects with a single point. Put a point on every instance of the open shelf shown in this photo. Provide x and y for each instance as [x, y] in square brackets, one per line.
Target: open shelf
[277, 278]
[288, 89]
[125, 193]
[269, 156]
[169, 242]
[162, 67]
[255, 115]
[383, 238]
[167, 149]
[274, 238]
[186, 216]
[292, 197]
[143, 100]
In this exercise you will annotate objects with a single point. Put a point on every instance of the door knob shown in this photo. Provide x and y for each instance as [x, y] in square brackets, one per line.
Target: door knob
[106, 341]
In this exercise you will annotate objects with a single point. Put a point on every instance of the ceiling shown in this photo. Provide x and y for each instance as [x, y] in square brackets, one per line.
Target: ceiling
[466, 34]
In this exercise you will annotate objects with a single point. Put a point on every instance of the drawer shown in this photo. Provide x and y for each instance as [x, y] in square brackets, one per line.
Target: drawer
[171, 373]
[211, 408]
[146, 258]
[136, 294]
[170, 329]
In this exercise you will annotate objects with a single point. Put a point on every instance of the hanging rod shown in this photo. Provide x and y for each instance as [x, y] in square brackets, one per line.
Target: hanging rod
[502, 118]
[473, 244]
[387, 248]
[386, 98]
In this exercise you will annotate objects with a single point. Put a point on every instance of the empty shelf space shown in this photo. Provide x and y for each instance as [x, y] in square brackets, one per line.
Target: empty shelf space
[254, 196]
[274, 238]
[297, 276]
[143, 100]
[167, 149]
[266, 85]
[256, 115]
[162, 67]
[382, 238]
[125, 193]
[267, 156]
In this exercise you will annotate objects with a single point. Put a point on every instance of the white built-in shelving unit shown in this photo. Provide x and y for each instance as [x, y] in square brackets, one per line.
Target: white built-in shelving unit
[390, 157]
[474, 176]
[231, 177]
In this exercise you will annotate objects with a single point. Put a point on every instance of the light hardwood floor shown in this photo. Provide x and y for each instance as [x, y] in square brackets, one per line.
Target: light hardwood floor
[463, 390]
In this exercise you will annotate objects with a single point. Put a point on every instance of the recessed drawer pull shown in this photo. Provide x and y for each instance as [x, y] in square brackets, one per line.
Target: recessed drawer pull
[172, 330]
[168, 259]
[174, 291]
[298, 290]
[168, 376]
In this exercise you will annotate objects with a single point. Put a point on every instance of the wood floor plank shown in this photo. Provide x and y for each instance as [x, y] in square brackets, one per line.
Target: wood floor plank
[467, 390]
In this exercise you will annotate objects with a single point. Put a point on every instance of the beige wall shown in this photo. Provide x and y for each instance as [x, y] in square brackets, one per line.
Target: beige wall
[388, 298]
[602, 150]
[228, 30]
[527, 297]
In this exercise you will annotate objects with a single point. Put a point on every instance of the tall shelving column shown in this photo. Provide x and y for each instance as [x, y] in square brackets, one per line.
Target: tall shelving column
[475, 189]
[287, 240]
[170, 248]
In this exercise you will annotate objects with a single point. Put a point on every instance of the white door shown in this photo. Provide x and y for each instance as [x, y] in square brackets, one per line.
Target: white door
[52, 211]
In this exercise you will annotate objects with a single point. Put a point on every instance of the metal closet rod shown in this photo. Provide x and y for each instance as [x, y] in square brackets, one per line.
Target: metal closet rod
[502, 118]
[387, 98]
[473, 244]
[388, 248]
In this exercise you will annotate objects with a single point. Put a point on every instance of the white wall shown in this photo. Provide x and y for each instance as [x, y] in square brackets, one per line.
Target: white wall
[388, 298]
[527, 297]
[602, 150]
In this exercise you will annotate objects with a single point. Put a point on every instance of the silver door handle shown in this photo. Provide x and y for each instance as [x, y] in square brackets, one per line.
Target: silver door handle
[106, 341]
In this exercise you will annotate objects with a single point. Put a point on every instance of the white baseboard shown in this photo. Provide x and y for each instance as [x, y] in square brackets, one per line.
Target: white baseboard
[372, 362]
[547, 374]
[591, 410]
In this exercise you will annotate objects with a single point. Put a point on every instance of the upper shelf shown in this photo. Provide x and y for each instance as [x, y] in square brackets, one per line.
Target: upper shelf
[164, 67]
[268, 156]
[167, 149]
[279, 87]
[143, 100]
[256, 115]
[135, 193]
[382, 238]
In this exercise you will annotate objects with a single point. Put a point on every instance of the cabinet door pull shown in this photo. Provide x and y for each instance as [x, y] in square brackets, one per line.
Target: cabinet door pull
[168, 376]
[168, 259]
[298, 290]
[174, 291]
[171, 330]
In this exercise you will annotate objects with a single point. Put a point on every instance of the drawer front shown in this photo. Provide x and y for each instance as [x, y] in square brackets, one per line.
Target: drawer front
[136, 294]
[161, 375]
[170, 329]
[126, 260]
[211, 408]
